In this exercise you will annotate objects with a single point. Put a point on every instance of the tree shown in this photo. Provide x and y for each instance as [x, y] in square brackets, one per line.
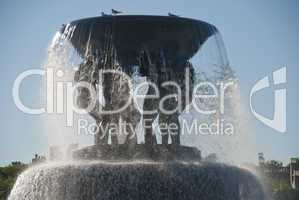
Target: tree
[8, 176]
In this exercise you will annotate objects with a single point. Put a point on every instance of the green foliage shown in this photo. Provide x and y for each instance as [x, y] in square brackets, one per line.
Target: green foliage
[8, 176]
[279, 184]
[274, 164]
[286, 195]
[277, 179]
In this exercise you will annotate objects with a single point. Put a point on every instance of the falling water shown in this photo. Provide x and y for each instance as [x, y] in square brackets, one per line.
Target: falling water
[70, 179]
[208, 65]
[212, 65]
[60, 65]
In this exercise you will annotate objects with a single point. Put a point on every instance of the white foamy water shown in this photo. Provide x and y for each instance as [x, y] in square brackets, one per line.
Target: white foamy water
[136, 180]
[212, 65]
[61, 63]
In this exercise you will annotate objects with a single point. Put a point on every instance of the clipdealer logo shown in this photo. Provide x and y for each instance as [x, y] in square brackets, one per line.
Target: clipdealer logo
[279, 120]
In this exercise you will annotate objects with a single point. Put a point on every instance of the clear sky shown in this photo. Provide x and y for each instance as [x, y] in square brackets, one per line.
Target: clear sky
[260, 37]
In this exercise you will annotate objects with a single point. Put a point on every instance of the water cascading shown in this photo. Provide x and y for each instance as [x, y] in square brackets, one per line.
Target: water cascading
[131, 162]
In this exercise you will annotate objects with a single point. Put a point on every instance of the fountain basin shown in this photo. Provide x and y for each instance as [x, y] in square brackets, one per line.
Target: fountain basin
[136, 180]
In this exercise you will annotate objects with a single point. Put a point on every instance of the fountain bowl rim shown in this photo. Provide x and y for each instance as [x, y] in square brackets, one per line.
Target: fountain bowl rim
[145, 18]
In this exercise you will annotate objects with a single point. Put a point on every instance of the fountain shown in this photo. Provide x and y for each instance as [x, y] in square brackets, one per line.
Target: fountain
[117, 166]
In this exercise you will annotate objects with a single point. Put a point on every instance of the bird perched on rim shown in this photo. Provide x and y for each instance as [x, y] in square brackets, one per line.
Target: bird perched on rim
[104, 14]
[115, 12]
[62, 28]
[172, 15]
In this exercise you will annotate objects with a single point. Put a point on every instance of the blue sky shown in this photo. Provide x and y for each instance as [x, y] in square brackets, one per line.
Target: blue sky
[260, 37]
